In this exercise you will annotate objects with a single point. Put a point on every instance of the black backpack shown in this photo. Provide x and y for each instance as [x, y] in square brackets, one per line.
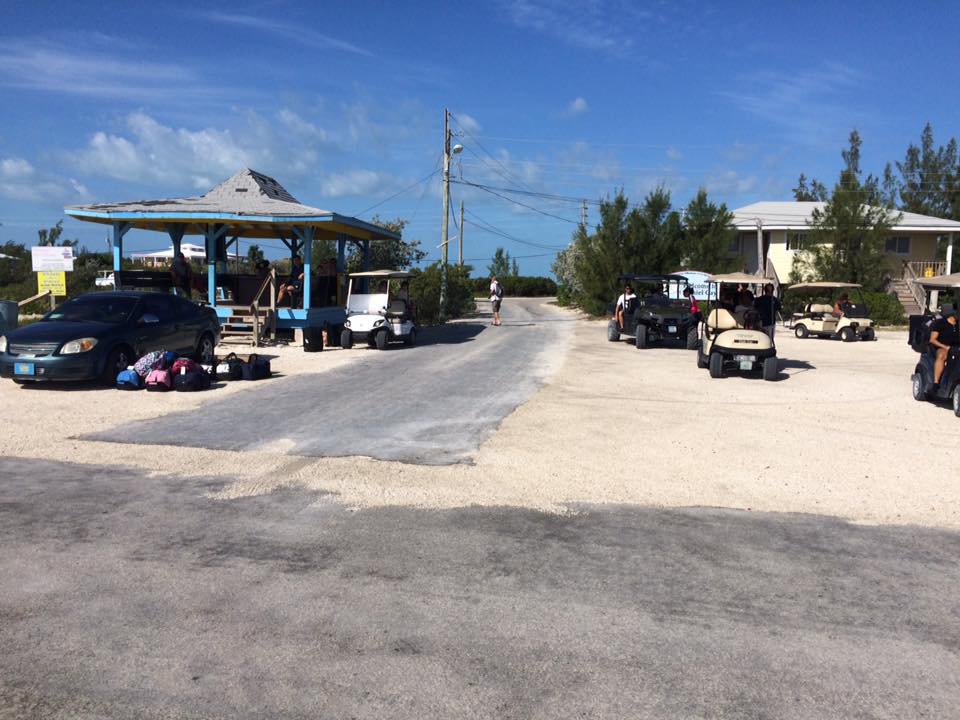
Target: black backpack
[256, 368]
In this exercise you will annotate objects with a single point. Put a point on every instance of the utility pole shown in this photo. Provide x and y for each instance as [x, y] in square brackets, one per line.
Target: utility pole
[445, 224]
[583, 214]
[460, 240]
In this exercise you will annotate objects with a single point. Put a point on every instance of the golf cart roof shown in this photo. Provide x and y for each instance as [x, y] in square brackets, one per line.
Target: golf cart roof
[941, 281]
[653, 278]
[383, 274]
[823, 285]
[742, 278]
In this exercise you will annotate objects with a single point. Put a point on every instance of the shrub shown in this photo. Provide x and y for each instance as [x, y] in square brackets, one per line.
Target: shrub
[884, 309]
[518, 286]
[425, 292]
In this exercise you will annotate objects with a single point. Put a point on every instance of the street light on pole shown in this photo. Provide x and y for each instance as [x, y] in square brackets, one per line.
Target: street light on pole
[445, 224]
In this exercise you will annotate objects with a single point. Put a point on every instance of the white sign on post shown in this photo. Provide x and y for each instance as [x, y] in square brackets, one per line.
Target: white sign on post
[696, 279]
[52, 259]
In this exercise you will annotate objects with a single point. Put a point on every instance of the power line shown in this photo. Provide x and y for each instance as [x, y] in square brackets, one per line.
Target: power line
[493, 229]
[398, 194]
[516, 202]
[482, 147]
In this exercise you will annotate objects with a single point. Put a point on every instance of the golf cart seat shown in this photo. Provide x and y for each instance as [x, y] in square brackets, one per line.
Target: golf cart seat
[397, 308]
[721, 319]
[819, 309]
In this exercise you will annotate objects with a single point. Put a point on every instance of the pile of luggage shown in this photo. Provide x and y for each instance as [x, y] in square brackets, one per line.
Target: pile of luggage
[162, 371]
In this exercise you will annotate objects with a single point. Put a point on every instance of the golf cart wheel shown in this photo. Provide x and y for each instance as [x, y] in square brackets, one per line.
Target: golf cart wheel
[848, 334]
[381, 340]
[346, 339]
[770, 368]
[411, 338]
[702, 361]
[693, 339]
[641, 337]
[955, 398]
[801, 331]
[716, 365]
[613, 332]
[916, 386]
[869, 334]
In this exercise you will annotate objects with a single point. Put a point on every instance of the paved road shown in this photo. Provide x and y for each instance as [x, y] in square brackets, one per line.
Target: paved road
[430, 404]
[126, 596]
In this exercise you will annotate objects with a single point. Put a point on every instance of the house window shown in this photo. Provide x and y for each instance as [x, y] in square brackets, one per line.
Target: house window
[734, 248]
[796, 241]
[899, 244]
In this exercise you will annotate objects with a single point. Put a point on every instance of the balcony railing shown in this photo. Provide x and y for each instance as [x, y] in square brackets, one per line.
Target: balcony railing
[923, 269]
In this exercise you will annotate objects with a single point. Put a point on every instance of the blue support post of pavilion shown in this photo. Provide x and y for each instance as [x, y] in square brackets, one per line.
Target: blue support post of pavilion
[305, 236]
[119, 230]
[212, 235]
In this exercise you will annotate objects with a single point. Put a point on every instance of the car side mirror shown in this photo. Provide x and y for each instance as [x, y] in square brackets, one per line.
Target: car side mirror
[149, 319]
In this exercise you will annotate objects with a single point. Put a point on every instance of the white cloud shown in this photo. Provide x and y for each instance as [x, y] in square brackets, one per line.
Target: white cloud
[288, 31]
[149, 152]
[39, 65]
[19, 180]
[674, 154]
[730, 182]
[356, 183]
[577, 106]
[467, 122]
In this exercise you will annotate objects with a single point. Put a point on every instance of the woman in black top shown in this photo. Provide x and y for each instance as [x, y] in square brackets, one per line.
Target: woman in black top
[943, 336]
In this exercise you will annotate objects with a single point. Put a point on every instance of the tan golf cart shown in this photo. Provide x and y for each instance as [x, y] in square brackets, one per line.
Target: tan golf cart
[731, 340]
[818, 318]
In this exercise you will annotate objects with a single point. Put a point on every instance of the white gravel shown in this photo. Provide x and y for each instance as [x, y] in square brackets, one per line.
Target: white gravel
[839, 435]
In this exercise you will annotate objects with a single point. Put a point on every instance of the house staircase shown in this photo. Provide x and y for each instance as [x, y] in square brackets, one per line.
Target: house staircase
[247, 325]
[905, 294]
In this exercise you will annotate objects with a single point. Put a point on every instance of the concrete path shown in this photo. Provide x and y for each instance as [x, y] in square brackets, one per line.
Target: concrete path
[432, 404]
[134, 596]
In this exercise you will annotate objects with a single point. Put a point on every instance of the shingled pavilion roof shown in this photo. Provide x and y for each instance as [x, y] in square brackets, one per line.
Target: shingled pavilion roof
[249, 204]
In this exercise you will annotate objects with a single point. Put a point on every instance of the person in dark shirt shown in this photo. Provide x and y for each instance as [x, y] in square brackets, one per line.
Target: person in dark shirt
[182, 275]
[943, 336]
[768, 305]
[294, 283]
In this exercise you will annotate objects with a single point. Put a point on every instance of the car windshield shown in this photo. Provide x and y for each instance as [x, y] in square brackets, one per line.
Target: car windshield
[106, 309]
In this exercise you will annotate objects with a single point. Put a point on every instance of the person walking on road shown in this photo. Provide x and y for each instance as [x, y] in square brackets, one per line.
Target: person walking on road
[496, 297]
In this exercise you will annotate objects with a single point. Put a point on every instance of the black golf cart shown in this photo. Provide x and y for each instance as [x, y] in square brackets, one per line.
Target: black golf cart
[922, 378]
[652, 315]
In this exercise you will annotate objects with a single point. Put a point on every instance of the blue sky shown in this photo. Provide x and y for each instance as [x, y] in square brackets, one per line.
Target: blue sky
[343, 104]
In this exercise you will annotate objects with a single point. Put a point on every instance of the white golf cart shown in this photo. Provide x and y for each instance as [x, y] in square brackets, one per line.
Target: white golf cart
[818, 319]
[378, 317]
[735, 340]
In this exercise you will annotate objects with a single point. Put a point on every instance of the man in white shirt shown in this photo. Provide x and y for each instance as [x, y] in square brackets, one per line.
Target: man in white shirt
[622, 303]
[496, 297]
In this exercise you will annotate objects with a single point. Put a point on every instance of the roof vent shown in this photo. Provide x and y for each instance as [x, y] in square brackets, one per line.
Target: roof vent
[240, 189]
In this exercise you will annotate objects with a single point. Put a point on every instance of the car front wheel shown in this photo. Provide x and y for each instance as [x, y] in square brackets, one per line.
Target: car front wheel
[205, 349]
[120, 358]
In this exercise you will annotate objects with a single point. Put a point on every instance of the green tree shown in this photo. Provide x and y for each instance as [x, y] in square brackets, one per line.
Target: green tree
[49, 237]
[848, 235]
[384, 254]
[707, 235]
[254, 255]
[654, 233]
[500, 263]
[601, 257]
[816, 191]
[929, 181]
[514, 268]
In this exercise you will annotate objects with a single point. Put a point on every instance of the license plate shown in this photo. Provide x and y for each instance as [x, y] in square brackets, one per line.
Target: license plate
[746, 365]
[22, 368]
[743, 358]
[672, 329]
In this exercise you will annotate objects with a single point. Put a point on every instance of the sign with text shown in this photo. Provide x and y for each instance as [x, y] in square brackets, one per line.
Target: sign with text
[697, 280]
[47, 258]
[55, 282]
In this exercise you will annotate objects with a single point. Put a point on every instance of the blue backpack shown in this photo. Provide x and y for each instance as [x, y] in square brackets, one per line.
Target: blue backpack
[129, 380]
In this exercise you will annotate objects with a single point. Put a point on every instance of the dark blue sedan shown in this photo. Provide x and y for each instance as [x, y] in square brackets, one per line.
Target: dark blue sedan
[97, 335]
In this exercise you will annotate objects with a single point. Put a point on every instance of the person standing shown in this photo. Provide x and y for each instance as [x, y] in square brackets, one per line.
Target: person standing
[496, 298]
[768, 305]
[622, 305]
[694, 307]
[182, 275]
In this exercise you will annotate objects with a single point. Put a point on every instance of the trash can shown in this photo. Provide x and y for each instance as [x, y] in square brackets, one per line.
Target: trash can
[312, 339]
[9, 312]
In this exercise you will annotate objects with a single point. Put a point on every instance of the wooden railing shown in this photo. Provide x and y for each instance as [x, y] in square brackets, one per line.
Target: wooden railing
[270, 281]
[39, 296]
[924, 269]
[912, 281]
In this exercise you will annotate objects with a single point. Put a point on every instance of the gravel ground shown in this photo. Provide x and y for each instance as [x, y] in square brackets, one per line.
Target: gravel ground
[838, 434]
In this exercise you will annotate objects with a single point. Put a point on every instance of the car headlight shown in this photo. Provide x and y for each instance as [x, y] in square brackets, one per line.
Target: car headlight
[78, 346]
[3, 343]
[378, 323]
